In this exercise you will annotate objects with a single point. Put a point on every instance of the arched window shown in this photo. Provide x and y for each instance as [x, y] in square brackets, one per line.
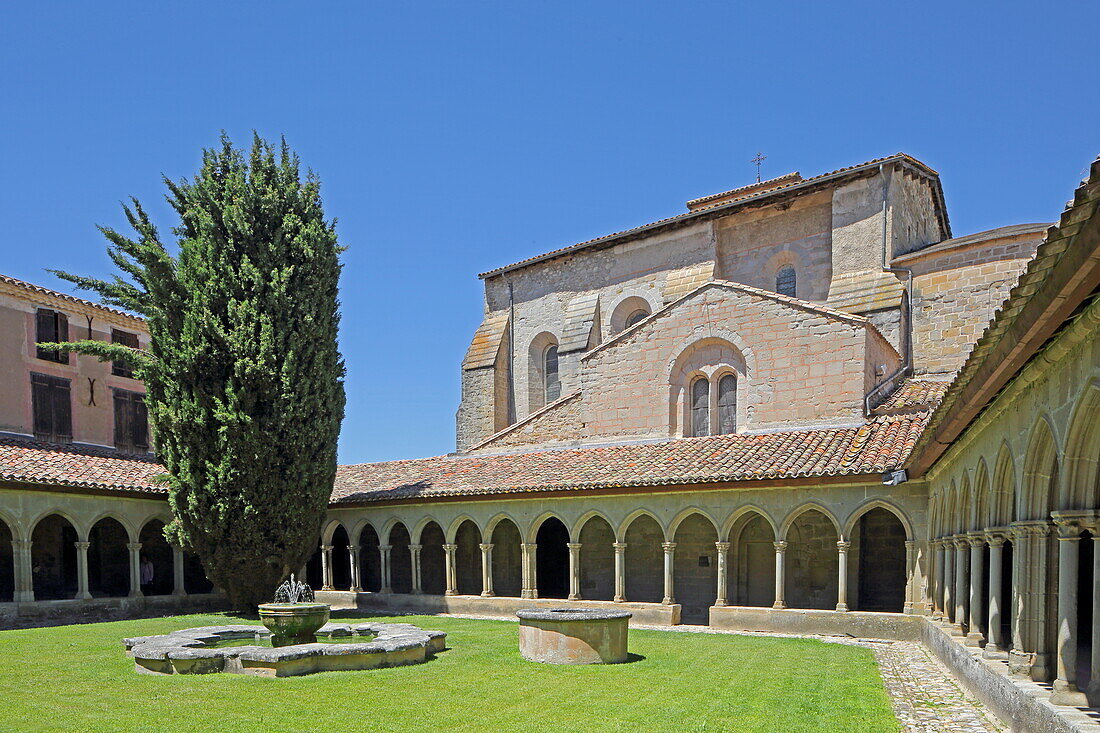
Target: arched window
[727, 405]
[635, 317]
[785, 280]
[550, 374]
[700, 407]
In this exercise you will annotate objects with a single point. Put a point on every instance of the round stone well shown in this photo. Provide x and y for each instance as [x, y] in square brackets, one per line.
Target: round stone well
[573, 636]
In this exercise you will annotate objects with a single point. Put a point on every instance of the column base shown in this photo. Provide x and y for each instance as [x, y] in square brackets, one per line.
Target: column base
[450, 592]
[179, 592]
[327, 587]
[974, 638]
[416, 592]
[488, 594]
[720, 602]
[1093, 692]
[134, 594]
[842, 607]
[528, 593]
[668, 600]
[992, 651]
[384, 590]
[779, 605]
[1019, 663]
[86, 596]
[619, 599]
[353, 589]
[908, 607]
[573, 597]
[1066, 693]
[23, 596]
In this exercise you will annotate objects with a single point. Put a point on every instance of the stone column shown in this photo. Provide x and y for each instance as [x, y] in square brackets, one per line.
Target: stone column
[995, 649]
[178, 586]
[530, 581]
[356, 579]
[670, 556]
[450, 571]
[976, 540]
[948, 580]
[414, 557]
[962, 554]
[384, 561]
[1065, 685]
[82, 593]
[620, 572]
[326, 567]
[1019, 659]
[574, 570]
[780, 562]
[842, 547]
[486, 570]
[723, 574]
[24, 580]
[910, 567]
[135, 569]
[937, 581]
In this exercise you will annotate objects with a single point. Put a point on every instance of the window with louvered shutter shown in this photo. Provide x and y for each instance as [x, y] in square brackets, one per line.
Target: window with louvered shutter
[550, 372]
[700, 407]
[131, 422]
[785, 281]
[51, 327]
[52, 408]
[123, 338]
[727, 404]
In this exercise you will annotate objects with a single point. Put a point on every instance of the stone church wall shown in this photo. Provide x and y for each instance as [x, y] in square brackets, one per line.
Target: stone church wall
[956, 291]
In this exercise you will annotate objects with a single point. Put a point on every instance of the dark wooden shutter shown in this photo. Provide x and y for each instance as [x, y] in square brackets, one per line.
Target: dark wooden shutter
[42, 406]
[62, 411]
[63, 335]
[131, 422]
[123, 338]
[122, 420]
[52, 408]
[140, 424]
[50, 327]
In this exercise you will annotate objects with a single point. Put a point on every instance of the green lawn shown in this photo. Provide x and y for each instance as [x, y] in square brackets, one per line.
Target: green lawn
[77, 678]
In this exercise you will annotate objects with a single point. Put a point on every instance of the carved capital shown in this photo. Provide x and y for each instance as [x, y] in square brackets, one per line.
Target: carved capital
[449, 547]
[486, 546]
[326, 548]
[619, 546]
[416, 548]
[133, 546]
[780, 546]
[843, 545]
[722, 546]
[668, 546]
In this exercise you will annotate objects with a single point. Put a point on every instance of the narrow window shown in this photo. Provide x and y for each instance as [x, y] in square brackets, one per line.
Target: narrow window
[52, 408]
[123, 338]
[785, 281]
[131, 422]
[550, 374]
[727, 404]
[635, 317]
[700, 407]
[51, 327]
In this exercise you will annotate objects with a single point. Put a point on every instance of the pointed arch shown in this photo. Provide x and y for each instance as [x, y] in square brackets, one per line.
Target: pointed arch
[158, 578]
[452, 528]
[330, 527]
[53, 552]
[965, 501]
[578, 526]
[684, 514]
[418, 529]
[1040, 472]
[1003, 487]
[737, 520]
[503, 533]
[1080, 485]
[752, 534]
[877, 503]
[597, 557]
[643, 534]
[533, 529]
[801, 509]
[982, 496]
[497, 518]
[624, 526]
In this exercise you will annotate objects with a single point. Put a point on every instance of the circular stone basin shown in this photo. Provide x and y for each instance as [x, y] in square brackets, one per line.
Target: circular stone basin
[293, 623]
[573, 636]
[210, 649]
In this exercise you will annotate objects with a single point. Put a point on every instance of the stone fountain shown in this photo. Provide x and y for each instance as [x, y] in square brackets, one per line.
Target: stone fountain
[294, 616]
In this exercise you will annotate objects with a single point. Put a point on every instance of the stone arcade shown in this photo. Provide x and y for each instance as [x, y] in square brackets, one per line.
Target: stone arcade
[692, 421]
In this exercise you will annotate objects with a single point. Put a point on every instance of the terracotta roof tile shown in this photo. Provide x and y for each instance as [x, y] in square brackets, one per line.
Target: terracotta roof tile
[913, 394]
[40, 290]
[880, 445]
[28, 461]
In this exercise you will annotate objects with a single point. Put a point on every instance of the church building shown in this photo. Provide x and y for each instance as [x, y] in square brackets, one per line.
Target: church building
[801, 405]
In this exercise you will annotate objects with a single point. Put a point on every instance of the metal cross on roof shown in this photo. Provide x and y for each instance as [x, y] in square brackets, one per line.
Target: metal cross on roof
[760, 158]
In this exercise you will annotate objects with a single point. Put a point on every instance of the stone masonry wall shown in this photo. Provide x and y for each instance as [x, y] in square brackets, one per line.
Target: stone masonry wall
[956, 291]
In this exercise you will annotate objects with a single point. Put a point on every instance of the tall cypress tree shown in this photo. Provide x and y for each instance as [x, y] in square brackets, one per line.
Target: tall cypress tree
[244, 382]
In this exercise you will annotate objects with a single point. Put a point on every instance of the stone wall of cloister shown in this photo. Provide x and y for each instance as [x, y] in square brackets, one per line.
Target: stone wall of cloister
[1014, 509]
[855, 546]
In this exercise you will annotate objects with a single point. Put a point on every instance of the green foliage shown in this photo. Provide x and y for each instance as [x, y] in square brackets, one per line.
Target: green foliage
[243, 377]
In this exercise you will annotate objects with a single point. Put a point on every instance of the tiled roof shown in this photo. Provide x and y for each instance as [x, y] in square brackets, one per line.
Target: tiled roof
[39, 290]
[880, 445]
[913, 394]
[486, 342]
[27, 461]
[707, 212]
[742, 191]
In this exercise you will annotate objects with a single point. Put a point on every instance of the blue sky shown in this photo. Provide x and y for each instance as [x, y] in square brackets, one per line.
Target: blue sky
[455, 137]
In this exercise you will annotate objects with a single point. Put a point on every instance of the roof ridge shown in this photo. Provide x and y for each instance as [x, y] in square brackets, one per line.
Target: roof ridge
[43, 290]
